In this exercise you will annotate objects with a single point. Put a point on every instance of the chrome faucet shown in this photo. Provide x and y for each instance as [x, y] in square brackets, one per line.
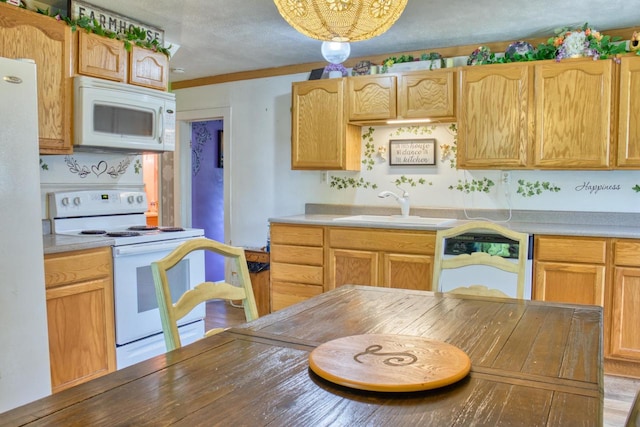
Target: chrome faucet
[402, 201]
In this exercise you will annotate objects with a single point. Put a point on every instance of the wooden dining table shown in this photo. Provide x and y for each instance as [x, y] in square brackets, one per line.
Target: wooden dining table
[532, 364]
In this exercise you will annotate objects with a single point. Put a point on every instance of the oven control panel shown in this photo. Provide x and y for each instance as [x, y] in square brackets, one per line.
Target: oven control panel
[68, 204]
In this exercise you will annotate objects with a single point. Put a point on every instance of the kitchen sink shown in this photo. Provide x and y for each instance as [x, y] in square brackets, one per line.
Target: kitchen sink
[396, 219]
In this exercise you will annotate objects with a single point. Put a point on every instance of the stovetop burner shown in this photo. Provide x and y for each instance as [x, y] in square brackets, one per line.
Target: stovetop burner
[142, 228]
[113, 214]
[171, 229]
[97, 232]
[123, 234]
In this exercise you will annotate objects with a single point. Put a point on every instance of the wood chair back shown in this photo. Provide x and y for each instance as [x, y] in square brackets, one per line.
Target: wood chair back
[481, 258]
[170, 313]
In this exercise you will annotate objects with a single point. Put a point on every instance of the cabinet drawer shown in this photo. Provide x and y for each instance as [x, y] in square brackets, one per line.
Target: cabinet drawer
[297, 273]
[627, 252]
[297, 254]
[70, 267]
[296, 235]
[285, 294]
[574, 249]
[413, 242]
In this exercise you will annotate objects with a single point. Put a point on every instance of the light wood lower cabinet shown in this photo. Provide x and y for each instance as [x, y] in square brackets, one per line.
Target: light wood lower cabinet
[597, 271]
[374, 257]
[622, 320]
[570, 269]
[297, 264]
[79, 289]
[309, 260]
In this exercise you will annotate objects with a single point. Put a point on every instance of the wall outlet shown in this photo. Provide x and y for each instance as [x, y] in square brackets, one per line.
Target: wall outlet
[505, 177]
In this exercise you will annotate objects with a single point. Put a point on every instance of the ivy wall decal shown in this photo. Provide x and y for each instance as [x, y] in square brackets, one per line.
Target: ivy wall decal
[480, 185]
[202, 134]
[530, 189]
[341, 183]
[369, 148]
[448, 152]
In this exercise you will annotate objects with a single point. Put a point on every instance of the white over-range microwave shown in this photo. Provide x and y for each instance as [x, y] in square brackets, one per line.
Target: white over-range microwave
[111, 116]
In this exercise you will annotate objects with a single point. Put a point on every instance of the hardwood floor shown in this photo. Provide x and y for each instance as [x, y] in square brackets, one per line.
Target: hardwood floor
[619, 392]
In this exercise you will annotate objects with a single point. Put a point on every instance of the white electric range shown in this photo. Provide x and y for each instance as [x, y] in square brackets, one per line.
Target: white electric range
[118, 215]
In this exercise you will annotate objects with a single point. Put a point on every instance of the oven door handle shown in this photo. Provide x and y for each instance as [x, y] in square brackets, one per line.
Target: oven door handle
[146, 248]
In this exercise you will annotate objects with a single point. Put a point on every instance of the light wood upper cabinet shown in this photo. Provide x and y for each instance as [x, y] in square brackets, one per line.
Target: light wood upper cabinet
[101, 57]
[320, 136]
[494, 119]
[629, 113]
[148, 68]
[409, 95]
[573, 114]
[107, 58]
[427, 94]
[79, 289]
[536, 115]
[570, 269]
[26, 34]
[372, 97]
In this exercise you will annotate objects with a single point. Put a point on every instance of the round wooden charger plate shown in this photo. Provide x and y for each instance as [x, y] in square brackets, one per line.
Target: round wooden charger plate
[396, 363]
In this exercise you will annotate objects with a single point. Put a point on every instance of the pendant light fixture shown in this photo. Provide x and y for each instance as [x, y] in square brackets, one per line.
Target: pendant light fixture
[340, 21]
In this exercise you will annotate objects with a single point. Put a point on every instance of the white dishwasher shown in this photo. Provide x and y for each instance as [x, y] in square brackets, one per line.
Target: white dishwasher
[495, 245]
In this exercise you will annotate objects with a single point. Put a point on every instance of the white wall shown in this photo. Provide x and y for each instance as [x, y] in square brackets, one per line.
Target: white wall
[264, 185]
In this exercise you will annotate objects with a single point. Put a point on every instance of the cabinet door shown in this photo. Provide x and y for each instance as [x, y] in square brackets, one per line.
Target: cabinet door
[427, 94]
[101, 57]
[406, 271]
[79, 332]
[570, 283]
[494, 123]
[26, 34]
[320, 137]
[570, 269]
[625, 316]
[372, 97]
[148, 68]
[629, 112]
[80, 316]
[573, 114]
[353, 267]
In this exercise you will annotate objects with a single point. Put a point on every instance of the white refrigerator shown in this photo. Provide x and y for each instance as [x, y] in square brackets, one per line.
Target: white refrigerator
[24, 344]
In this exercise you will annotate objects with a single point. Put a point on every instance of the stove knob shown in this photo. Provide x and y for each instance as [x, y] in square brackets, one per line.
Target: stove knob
[140, 199]
[130, 199]
[76, 201]
[65, 201]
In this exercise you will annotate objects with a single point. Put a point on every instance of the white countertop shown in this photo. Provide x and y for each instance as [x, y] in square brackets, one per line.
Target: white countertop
[531, 227]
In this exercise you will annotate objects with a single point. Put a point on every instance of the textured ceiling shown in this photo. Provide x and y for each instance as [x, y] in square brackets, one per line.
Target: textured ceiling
[225, 36]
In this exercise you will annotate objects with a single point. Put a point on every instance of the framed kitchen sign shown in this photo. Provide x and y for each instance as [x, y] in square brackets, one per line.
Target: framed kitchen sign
[111, 21]
[412, 152]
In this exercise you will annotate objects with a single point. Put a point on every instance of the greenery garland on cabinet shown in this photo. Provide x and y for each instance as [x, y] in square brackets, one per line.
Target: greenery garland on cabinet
[131, 36]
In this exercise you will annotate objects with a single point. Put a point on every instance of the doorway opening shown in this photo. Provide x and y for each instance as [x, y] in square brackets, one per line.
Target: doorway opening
[207, 189]
[202, 172]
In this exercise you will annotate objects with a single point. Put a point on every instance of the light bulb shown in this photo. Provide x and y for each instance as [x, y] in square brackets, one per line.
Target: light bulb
[335, 52]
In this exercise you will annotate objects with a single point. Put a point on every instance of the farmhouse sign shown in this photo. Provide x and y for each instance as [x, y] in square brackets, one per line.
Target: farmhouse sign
[112, 21]
[412, 152]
